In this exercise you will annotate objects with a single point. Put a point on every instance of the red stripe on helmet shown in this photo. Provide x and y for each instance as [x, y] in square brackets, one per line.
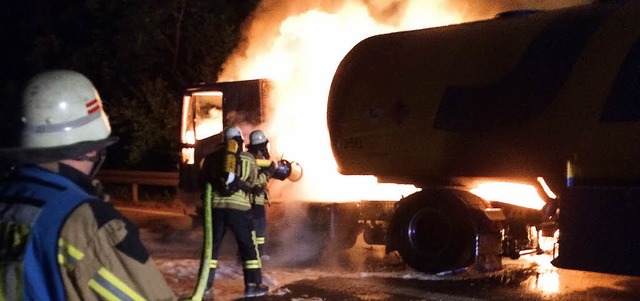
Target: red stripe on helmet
[92, 106]
[91, 103]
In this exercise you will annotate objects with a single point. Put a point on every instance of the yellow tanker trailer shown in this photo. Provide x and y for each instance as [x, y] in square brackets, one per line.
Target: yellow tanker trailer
[528, 94]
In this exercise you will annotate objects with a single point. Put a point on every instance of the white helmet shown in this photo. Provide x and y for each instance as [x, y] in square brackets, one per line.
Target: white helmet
[257, 137]
[62, 108]
[62, 117]
[232, 132]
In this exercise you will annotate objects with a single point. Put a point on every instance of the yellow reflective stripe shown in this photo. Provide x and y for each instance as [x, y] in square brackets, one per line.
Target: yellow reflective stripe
[103, 292]
[252, 264]
[68, 253]
[260, 240]
[111, 288]
[246, 168]
[231, 201]
[237, 200]
[213, 263]
[255, 246]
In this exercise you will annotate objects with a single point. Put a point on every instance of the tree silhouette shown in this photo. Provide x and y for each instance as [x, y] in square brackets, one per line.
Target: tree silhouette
[140, 55]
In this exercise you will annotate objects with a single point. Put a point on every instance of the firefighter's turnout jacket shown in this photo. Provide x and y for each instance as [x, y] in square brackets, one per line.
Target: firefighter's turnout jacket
[61, 242]
[261, 196]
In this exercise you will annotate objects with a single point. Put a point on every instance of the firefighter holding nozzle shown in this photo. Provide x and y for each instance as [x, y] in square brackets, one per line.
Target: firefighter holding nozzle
[259, 147]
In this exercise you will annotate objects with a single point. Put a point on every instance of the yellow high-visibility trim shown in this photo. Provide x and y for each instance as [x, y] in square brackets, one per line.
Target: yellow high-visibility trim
[66, 250]
[118, 284]
[246, 168]
[242, 203]
[252, 264]
[260, 240]
[103, 292]
[255, 246]
[213, 263]
[71, 250]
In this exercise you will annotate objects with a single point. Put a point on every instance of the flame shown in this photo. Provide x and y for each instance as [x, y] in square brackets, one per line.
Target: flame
[511, 193]
[298, 45]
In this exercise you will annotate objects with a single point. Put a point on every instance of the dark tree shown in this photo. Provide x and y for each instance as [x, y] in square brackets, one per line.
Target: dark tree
[139, 54]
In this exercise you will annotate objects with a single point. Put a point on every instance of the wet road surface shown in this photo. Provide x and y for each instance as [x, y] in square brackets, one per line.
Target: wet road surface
[306, 272]
[367, 273]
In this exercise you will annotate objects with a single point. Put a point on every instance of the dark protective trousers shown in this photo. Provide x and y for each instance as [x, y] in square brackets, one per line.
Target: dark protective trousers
[240, 223]
[260, 226]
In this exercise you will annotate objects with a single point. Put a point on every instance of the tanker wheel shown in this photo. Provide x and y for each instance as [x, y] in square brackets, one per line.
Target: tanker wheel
[433, 231]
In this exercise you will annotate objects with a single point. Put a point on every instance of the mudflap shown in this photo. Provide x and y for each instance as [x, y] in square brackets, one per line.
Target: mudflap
[599, 230]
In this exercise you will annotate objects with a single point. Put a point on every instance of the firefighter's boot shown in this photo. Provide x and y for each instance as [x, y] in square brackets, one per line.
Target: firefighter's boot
[253, 286]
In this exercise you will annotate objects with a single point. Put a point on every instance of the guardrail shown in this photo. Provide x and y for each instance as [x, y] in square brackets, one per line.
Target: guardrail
[136, 178]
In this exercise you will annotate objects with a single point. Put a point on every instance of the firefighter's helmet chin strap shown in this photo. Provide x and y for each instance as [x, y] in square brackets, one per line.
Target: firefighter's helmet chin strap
[97, 159]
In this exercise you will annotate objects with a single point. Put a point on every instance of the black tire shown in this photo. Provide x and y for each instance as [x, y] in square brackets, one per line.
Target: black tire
[433, 231]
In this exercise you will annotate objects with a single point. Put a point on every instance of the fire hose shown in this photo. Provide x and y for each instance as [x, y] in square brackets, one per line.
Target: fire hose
[203, 273]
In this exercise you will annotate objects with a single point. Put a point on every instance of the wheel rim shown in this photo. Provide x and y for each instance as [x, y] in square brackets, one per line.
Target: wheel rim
[430, 232]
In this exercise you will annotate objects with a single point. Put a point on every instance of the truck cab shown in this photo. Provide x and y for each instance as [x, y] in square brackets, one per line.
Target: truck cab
[203, 121]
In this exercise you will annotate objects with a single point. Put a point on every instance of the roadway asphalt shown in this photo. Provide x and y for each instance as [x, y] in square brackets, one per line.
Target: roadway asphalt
[306, 273]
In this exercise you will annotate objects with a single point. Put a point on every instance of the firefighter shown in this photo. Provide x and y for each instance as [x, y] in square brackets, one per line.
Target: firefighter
[258, 147]
[60, 239]
[231, 209]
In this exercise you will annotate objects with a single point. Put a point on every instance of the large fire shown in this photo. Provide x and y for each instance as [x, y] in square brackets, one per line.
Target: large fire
[298, 45]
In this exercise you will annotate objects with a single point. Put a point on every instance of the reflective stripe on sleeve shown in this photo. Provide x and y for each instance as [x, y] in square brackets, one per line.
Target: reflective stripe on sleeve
[246, 167]
[68, 253]
[111, 288]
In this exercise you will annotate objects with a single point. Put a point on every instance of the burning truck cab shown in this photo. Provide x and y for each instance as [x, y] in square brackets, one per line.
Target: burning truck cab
[203, 119]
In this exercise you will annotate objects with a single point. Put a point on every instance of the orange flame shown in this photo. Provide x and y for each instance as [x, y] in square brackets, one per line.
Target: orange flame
[299, 47]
